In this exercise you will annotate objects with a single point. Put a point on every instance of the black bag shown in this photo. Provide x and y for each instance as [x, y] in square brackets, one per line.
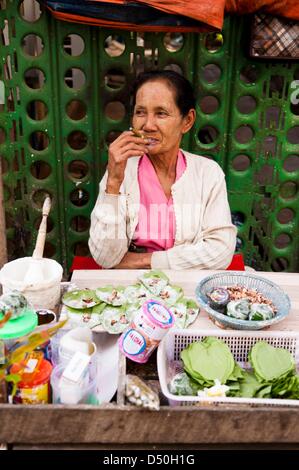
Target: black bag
[274, 37]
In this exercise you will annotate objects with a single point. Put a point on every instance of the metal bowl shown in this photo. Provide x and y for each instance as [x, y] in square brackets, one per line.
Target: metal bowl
[270, 290]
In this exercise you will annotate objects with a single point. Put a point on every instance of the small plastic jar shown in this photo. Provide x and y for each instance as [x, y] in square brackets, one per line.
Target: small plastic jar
[70, 393]
[35, 388]
[150, 324]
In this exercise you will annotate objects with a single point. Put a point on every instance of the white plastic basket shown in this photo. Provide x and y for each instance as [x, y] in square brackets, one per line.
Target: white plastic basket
[239, 342]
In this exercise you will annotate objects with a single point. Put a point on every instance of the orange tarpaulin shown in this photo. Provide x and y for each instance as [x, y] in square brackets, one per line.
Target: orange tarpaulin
[212, 12]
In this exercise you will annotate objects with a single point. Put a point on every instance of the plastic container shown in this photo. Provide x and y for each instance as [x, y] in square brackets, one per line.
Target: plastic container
[43, 294]
[33, 389]
[239, 342]
[150, 324]
[73, 393]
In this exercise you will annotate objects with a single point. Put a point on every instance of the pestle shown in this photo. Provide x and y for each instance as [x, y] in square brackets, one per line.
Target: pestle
[34, 273]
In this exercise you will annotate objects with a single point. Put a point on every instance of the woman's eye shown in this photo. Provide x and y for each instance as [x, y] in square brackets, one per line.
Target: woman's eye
[162, 113]
[139, 112]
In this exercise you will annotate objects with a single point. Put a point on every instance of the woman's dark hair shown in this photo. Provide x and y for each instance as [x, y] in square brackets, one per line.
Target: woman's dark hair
[184, 94]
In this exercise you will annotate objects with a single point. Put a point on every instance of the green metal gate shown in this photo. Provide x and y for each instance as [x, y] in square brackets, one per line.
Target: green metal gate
[67, 96]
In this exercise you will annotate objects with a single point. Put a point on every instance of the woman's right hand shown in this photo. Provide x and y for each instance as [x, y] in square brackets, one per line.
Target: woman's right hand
[125, 146]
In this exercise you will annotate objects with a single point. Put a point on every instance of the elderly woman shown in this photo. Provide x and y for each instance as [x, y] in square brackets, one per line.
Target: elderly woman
[160, 206]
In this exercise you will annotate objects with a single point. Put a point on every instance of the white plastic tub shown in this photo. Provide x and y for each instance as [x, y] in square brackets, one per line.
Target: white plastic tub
[239, 342]
[42, 294]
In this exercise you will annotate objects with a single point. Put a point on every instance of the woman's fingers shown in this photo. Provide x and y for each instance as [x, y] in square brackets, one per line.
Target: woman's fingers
[127, 136]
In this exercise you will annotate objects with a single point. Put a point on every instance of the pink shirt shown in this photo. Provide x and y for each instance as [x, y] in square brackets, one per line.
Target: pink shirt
[156, 222]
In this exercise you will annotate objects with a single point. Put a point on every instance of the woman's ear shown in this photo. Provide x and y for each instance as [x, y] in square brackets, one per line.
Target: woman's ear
[188, 120]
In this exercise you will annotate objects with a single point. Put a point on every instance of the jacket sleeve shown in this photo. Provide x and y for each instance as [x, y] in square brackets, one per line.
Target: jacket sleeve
[108, 241]
[214, 246]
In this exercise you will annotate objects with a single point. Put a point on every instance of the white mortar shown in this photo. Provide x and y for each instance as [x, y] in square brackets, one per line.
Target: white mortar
[43, 294]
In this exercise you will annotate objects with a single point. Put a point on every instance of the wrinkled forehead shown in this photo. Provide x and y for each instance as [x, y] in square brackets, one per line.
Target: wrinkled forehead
[156, 92]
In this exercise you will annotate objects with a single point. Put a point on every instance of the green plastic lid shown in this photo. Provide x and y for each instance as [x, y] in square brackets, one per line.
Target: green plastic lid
[19, 326]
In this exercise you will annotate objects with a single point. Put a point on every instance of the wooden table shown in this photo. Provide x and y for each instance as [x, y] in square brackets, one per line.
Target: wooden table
[114, 426]
[188, 280]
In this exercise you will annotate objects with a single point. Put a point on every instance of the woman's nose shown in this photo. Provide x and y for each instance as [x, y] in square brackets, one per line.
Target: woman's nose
[149, 123]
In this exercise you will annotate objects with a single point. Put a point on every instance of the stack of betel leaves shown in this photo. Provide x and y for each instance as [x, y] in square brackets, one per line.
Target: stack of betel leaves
[211, 370]
[113, 307]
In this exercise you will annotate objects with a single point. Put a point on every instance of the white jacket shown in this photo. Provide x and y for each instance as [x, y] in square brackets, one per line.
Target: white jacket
[204, 237]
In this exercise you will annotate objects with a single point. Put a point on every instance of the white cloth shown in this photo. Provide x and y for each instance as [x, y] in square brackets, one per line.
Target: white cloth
[205, 237]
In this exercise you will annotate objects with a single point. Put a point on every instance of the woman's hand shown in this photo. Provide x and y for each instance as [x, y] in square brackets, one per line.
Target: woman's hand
[135, 261]
[125, 146]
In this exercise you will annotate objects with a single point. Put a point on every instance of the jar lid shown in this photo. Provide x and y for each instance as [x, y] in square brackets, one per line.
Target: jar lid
[20, 326]
[159, 314]
[39, 375]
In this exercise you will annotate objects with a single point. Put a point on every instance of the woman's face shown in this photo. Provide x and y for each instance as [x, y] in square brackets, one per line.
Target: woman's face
[158, 117]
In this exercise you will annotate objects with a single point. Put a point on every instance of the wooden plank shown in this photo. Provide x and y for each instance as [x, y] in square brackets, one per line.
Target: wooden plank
[3, 246]
[127, 425]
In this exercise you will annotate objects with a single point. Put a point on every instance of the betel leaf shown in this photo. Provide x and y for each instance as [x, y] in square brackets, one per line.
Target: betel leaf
[209, 359]
[270, 363]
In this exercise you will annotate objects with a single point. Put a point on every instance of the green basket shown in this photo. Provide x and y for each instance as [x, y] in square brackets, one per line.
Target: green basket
[66, 97]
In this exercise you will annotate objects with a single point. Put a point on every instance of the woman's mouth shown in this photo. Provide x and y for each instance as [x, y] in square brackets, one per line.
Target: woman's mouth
[151, 142]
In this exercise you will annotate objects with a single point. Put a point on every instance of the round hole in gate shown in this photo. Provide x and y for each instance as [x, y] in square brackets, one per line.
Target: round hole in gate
[2, 135]
[294, 109]
[74, 78]
[80, 223]
[213, 42]
[211, 73]
[37, 110]
[288, 190]
[49, 250]
[241, 162]
[6, 193]
[293, 135]
[279, 264]
[73, 45]
[207, 135]
[115, 110]
[111, 136]
[238, 218]
[34, 78]
[244, 134]
[209, 104]
[50, 223]
[40, 170]
[32, 45]
[78, 169]
[4, 165]
[282, 240]
[9, 220]
[249, 74]
[76, 110]
[239, 244]
[79, 197]
[174, 67]
[39, 140]
[173, 42]
[115, 79]
[81, 249]
[77, 140]
[30, 13]
[114, 45]
[291, 163]
[246, 104]
[285, 215]
[11, 247]
[39, 196]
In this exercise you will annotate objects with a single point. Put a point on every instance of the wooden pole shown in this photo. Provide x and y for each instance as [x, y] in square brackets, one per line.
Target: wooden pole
[3, 245]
